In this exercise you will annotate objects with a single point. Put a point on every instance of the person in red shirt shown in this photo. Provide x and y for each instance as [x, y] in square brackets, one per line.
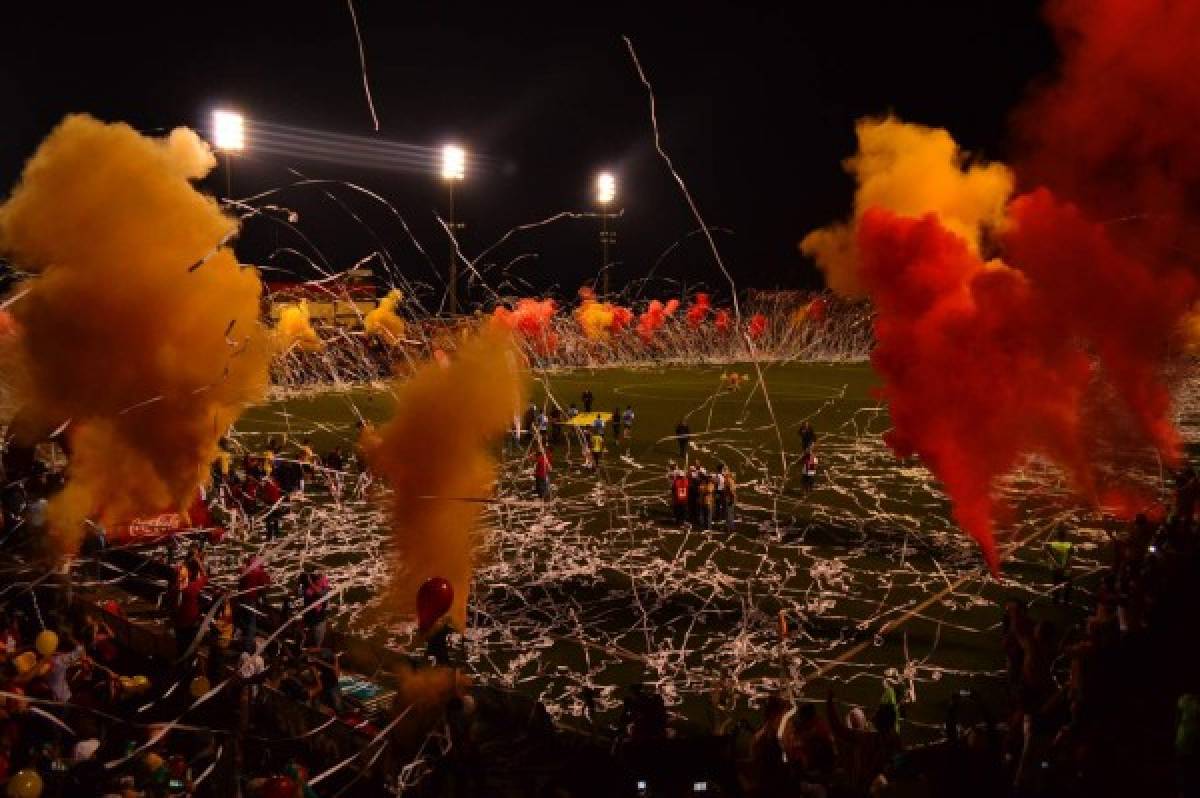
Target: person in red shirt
[252, 587]
[679, 495]
[541, 473]
[189, 614]
[272, 499]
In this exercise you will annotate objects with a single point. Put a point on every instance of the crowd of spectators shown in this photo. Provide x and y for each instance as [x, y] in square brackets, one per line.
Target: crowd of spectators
[1108, 704]
[1101, 693]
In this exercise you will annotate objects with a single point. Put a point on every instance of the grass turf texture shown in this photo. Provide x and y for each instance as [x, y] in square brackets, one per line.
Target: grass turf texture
[598, 587]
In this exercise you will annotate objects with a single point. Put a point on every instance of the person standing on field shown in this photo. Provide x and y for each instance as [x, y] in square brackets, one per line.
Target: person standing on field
[679, 495]
[706, 498]
[683, 436]
[730, 501]
[541, 474]
[597, 448]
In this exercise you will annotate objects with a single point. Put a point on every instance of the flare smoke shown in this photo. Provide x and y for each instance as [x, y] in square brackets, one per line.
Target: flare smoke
[436, 455]
[138, 326]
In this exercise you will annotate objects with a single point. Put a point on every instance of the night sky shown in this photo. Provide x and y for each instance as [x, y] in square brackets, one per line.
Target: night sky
[756, 103]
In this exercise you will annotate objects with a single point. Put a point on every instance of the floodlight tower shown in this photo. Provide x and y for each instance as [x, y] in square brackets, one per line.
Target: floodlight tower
[454, 169]
[229, 137]
[606, 192]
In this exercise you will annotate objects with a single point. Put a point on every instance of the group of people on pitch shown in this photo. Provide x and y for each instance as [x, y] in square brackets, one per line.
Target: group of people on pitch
[701, 498]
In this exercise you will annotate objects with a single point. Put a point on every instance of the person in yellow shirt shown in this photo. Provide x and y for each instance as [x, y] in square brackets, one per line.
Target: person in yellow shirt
[597, 442]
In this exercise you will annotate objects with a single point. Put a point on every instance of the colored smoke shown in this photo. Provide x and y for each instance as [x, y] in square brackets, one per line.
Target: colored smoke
[1040, 324]
[910, 170]
[1115, 133]
[531, 319]
[137, 326]
[295, 329]
[654, 317]
[600, 320]
[436, 454]
[757, 326]
[8, 325]
[383, 320]
[814, 311]
[699, 310]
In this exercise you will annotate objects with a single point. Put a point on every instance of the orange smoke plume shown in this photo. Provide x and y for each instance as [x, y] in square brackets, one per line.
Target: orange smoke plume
[531, 319]
[295, 329]
[137, 326]
[600, 320]
[814, 311]
[910, 170]
[436, 455]
[383, 321]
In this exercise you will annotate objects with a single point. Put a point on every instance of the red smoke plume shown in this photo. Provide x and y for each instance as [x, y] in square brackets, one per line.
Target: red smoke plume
[757, 326]
[1059, 348]
[985, 363]
[621, 318]
[721, 320]
[531, 319]
[698, 312]
[967, 385]
[1125, 308]
[1115, 135]
[654, 317]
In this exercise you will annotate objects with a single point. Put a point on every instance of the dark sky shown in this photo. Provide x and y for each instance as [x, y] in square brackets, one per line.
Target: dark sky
[756, 103]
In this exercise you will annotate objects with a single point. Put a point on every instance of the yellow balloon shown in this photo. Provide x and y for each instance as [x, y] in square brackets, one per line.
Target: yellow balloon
[199, 686]
[25, 784]
[46, 643]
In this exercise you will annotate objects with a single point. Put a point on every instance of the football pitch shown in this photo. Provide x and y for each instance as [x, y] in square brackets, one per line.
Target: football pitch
[580, 596]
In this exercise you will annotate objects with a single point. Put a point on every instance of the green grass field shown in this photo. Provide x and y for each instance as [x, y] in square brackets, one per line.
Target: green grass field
[598, 588]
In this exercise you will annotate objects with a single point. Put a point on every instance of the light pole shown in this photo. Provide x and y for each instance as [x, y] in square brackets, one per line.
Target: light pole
[606, 192]
[454, 169]
[229, 136]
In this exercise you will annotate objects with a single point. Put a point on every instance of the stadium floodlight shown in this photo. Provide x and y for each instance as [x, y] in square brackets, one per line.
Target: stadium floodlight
[229, 131]
[454, 162]
[606, 188]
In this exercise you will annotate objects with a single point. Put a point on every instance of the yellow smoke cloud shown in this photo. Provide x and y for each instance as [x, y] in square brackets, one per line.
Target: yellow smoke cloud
[436, 455]
[910, 170]
[295, 329]
[136, 326]
[383, 320]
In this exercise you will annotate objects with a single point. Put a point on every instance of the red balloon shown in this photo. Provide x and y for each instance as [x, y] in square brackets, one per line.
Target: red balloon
[434, 598]
[279, 787]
